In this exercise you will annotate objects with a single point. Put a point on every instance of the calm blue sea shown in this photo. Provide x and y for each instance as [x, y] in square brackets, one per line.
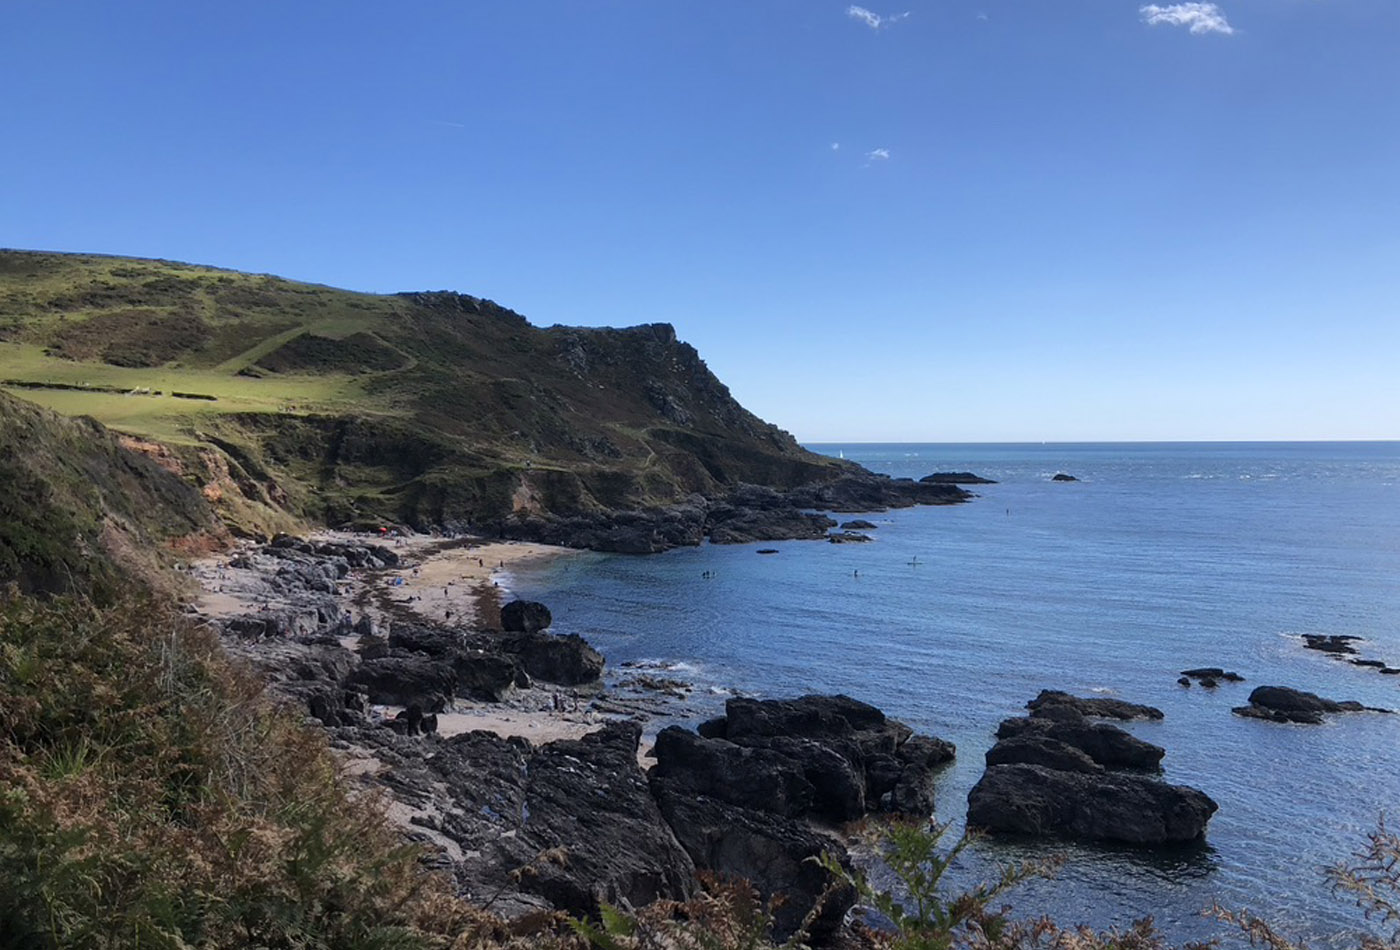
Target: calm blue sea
[1162, 557]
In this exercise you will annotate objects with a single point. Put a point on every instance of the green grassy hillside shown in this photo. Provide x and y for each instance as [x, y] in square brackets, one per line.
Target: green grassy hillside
[338, 406]
[80, 512]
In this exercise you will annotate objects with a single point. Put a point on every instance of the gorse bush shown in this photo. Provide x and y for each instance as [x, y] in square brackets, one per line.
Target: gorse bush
[151, 796]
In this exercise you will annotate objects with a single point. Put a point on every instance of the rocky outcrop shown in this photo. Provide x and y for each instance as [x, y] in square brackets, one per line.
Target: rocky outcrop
[525, 616]
[1213, 673]
[859, 524]
[1036, 800]
[1055, 773]
[407, 679]
[567, 660]
[1044, 706]
[741, 791]
[1062, 477]
[1330, 643]
[1282, 704]
[957, 478]
[848, 537]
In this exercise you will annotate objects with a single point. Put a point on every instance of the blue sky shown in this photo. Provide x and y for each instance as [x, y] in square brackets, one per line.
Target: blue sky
[962, 220]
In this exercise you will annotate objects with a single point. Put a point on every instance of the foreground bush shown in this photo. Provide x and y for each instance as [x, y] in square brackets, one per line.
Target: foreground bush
[151, 796]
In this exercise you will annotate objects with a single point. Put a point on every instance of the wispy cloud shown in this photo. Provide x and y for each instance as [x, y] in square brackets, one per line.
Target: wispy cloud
[877, 155]
[1197, 17]
[872, 19]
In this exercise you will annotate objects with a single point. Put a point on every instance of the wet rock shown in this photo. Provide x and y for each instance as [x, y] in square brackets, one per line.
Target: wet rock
[1330, 643]
[1062, 477]
[740, 526]
[1183, 681]
[848, 537]
[1133, 809]
[859, 524]
[525, 616]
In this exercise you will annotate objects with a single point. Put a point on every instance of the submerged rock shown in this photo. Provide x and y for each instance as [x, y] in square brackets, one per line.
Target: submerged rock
[1062, 477]
[1213, 673]
[1282, 704]
[956, 478]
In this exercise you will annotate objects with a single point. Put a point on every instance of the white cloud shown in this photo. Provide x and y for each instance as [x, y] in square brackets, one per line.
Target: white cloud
[1197, 17]
[836, 146]
[872, 19]
[877, 155]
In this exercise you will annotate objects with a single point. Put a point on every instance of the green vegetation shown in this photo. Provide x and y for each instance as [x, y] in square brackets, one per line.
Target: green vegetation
[339, 406]
[150, 796]
[81, 513]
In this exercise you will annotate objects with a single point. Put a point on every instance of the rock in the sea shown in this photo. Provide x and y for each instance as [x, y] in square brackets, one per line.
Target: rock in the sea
[1282, 704]
[859, 524]
[1100, 707]
[567, 660]
[525, 616]
[1108, 806]
[1032, 749]
[766, 551]
[1213, 673]
[1062, 477]
[1107, 745]
[1330, 643]
[847, 537]
[956, 478]
[1183, 681]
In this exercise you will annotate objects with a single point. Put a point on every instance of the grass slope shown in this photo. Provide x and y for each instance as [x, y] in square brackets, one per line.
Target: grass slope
[78, 508]
[341, 406]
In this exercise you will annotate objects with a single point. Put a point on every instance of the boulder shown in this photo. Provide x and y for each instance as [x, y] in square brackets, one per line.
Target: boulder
[859, 524]
[525, 616]
[755, 778]
[567, 661]
[1107, 745]
[1132, 809]
[848, 537]
[1032, 749]
[1282, 704]
[1101, 707]
[406, 680]
[1062, 477]
[1330, 643]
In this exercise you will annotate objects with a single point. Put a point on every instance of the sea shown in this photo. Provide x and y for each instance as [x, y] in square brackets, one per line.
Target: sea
[1161, 557]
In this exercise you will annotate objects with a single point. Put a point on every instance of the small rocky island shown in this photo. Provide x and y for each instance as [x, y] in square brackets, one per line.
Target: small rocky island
[1056, 773]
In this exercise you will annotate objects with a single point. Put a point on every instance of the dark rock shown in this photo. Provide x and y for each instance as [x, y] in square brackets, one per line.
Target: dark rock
[783, 524]
[920, 757]
[567, 661]
[1213, 672]
[1133, 809]
[1282, 704]
[1390, 670]
[482, 670]
[777, 855]
[848, 537]
[1329, 643]
[759, 779]
[407, 680]
[1105, 708]
[859, 524]
[1184, 681]
[766, 551]
[1107, 745]
[525, 616]
[716, 728]
[1377, 664]
[1208, 682]
[578, 813]
[956, 478]
[1032, 749]
[1062, 477]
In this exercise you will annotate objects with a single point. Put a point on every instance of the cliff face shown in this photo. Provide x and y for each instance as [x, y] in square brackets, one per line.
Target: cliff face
[423, 408]
[81, 513]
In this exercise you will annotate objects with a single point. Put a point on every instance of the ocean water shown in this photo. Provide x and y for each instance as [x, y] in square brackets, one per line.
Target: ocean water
[1162, 557]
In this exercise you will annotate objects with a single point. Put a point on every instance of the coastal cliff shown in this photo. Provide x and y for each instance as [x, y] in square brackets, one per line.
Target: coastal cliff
[289, 400]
